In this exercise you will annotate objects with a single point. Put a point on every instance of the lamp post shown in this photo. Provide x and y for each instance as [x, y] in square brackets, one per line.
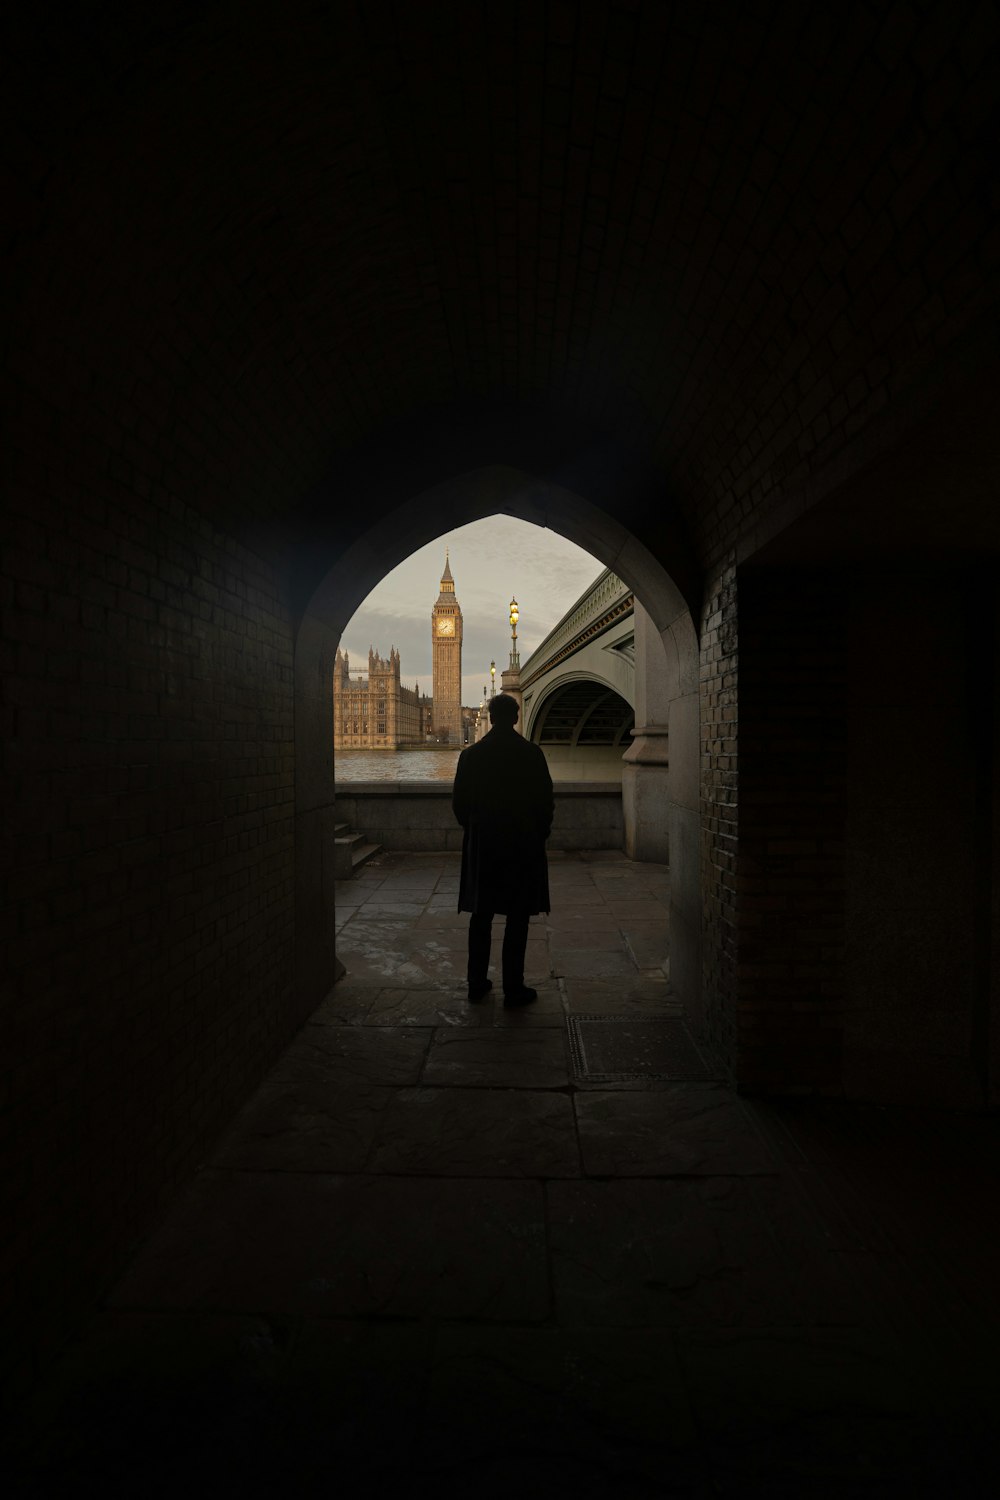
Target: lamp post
[493, 679]
[510, 680]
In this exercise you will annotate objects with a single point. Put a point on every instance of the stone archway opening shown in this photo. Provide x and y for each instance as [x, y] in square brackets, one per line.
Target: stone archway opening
[671, 696]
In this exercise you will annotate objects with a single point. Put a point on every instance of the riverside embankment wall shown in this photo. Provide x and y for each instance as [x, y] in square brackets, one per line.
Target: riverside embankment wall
[417, 815]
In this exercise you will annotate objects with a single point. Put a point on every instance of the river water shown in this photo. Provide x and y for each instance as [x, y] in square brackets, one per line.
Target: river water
[396, 765]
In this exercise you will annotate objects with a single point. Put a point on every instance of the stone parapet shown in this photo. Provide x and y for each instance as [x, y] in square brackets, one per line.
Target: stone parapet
[417, 815]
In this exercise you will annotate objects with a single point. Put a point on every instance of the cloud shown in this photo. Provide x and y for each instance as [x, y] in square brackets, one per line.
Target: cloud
[491, 560]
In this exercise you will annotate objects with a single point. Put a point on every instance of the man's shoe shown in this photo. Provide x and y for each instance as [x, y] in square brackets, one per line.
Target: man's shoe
[523, 996]
[479, 992]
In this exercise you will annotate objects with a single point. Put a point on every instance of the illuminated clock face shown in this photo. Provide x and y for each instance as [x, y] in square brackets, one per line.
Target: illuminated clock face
[446, 627]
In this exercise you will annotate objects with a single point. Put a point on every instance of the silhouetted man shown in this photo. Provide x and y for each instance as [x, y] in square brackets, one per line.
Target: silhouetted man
[503, 800]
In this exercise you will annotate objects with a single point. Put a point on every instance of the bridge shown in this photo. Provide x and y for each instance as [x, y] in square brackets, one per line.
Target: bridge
[589, 697]
[578, 685]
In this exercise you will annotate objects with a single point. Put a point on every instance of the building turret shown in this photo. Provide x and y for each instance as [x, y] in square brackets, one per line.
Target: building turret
[374, 711]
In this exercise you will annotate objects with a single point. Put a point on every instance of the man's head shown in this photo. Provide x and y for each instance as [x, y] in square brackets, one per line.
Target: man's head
[503, 711]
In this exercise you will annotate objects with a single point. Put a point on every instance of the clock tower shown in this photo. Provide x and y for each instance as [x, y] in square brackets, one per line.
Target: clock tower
[446, 647]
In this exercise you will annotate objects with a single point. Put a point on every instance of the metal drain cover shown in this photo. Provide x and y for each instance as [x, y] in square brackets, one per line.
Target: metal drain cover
[623, 1049]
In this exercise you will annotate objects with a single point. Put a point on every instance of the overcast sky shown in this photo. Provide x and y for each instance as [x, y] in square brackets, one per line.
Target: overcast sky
[490, 560]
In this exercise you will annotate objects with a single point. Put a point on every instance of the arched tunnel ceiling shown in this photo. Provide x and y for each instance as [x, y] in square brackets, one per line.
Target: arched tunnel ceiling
[253, 239]
[583, 713]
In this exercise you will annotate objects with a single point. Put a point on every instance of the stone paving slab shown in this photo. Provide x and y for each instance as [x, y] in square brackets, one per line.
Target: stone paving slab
[394, 908]
[875, 1164]
[581, 962]
[399, 959]
[443, 918]
[617, 891]
[637, 994]
[346, 1004]
[519, 1058]
[441, 953]
[815, 1288]
[333, 1246]
[387, 953]
[582, 895]
[390, 1055]
[538, 971]
[299, 1129]
[361, 928]
[457, 1132]
[586, 940]
[319, 1108]
[431, 940]
[690, 1129]
[492, 1471]
[850, 1221]
[233, 1405]
[565, 926]
[348, 896]
[639, 909]
[153, 1404]
[427, 1006]
[645, 952]
[547, 1010]
[790, 1412]
[352, 1385]
[678, 1253]
[607, 1406]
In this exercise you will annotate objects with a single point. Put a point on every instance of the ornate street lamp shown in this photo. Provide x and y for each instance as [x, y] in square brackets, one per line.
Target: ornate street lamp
[493, 679]
[515, 615]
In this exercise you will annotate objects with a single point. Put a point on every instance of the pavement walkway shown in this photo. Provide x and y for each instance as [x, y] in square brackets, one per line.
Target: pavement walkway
[456, 1248]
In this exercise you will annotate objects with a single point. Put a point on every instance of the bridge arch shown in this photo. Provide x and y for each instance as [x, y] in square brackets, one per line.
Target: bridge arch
[587, 659]
[575, 697]
[584, 727]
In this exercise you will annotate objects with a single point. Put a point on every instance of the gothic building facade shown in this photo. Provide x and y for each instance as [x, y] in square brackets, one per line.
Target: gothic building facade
[446, 647]
[376, 712]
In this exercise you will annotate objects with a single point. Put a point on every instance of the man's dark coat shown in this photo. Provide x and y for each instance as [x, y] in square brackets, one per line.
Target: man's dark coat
[503, 800]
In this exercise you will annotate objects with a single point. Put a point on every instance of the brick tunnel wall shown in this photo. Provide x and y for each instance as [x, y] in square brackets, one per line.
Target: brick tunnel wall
[719, 809]
[850, 914]
[148, 926]
[792, 808]
[919, 856]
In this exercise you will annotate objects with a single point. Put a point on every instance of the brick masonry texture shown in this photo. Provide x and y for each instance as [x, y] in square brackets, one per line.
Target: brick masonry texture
[148, 918]
[719, 682]
[730, 257]
[792, 795]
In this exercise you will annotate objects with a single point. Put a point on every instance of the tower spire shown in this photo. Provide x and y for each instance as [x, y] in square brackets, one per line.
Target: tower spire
[446, 634]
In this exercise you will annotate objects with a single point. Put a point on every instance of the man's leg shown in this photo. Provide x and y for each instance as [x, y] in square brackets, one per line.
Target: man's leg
[480, 929]
[515, 941]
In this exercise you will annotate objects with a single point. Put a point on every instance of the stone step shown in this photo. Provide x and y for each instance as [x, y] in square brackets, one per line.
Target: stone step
[351, 851]
[362, 855]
